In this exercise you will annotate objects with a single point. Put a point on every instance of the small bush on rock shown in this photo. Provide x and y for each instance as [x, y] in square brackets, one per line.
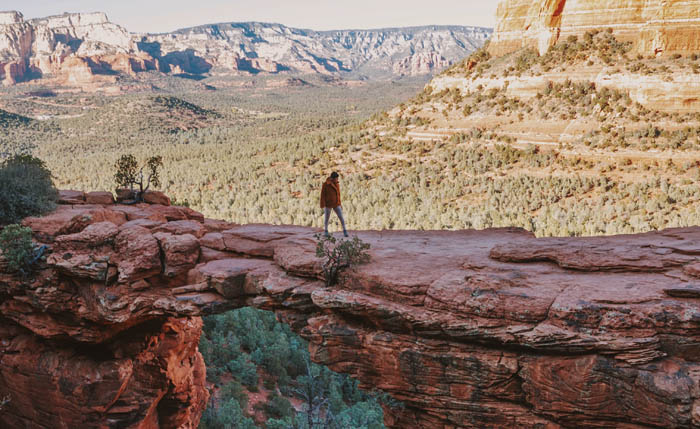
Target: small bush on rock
[129, 174]
[339, 255]
[17, 249]
[26, 189]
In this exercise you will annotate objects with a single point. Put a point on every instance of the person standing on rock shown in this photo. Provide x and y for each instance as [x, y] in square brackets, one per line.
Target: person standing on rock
[330, 200]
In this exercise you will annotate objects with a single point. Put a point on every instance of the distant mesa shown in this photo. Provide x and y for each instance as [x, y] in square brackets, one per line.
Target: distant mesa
[86, 48]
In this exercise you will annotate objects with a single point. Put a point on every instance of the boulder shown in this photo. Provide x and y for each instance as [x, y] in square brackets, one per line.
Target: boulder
[138, 254]
[181, 252]
[156, 197]
[103, 198]
[71, 197]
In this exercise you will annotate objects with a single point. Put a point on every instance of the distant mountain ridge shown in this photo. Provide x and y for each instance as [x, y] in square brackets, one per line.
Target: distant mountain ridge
[78, 48]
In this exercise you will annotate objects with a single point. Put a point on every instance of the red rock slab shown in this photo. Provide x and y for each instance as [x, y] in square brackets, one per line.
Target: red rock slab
[92, 266]
[638, 310]
[146, 223]
[90, 216]
[656, 251]
[160, 212]
[215, 225]
[259, 240]
[398, 318]
[405, 263]
[503, 294]
[101, 198]
[156, 197]
[68, 220]
[208, 254]
[181, 252]
[182, 227]
[71, 197]
[192, 214]
[459, 386]
[297, 255]
[684, 291]
[594, 392]
[214, 240]
[137, 253]
[162, 385]
[201, 303]
[96, 234]
[170, 213]
[692, 270]
[137, 211]
[228, 276]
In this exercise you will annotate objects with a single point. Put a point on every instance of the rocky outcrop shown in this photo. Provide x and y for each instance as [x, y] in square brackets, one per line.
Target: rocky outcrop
[420, 64]
[77, 48]
[471, 329]
[655, 26]
[53, 46]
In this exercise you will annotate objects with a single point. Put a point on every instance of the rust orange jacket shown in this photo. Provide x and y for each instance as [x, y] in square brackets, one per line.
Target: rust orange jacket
[330, 195]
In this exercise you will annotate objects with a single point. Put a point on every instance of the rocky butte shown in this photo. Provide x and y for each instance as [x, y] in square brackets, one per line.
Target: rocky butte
[655, 26]
[469, 329]
[657, 30]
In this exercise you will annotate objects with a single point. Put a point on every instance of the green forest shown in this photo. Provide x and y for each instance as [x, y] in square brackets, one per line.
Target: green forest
[251, 355]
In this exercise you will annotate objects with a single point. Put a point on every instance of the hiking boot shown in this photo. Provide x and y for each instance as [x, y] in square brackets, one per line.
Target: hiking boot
[345, 233]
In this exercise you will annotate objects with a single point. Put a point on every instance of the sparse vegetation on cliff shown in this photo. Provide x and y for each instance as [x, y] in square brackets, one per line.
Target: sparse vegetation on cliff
[27, 189]
[17, 249]
[339, 255]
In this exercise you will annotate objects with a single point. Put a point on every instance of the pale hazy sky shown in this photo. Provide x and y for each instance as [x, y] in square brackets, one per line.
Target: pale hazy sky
[168, 15]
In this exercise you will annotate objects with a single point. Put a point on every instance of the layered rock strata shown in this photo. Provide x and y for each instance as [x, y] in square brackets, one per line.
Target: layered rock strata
[78, 48]
[469, 329]
[655, 26]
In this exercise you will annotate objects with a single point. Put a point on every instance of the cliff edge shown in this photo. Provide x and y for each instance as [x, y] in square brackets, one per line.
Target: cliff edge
[470, 329]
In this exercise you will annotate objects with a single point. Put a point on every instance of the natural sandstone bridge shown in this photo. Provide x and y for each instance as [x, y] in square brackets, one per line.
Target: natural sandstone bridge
[472, 329]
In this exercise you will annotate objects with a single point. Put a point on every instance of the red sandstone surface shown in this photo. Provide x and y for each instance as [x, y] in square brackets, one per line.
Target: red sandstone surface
[470, 329]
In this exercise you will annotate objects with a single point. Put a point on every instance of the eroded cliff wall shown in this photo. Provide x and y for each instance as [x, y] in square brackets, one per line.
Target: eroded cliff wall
[79, 48]
[470, 329]
[655, 26]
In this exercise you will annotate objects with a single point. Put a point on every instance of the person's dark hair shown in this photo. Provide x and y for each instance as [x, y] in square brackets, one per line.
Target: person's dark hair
[334, 175]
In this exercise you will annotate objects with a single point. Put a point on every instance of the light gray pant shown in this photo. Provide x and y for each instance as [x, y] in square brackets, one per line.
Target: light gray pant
[339, 211]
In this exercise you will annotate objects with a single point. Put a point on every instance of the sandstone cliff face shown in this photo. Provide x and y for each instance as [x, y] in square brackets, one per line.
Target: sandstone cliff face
[240, 46]
[655, 26]
[57, 45]
[470, 329]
